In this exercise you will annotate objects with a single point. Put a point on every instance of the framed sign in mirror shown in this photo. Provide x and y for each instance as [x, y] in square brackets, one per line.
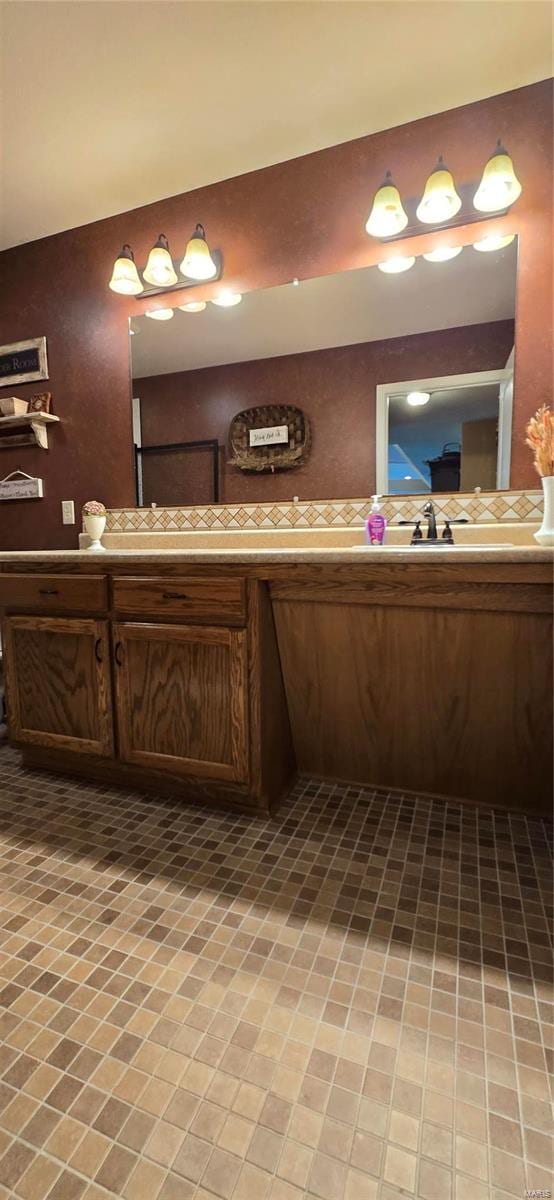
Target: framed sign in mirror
[23, 362]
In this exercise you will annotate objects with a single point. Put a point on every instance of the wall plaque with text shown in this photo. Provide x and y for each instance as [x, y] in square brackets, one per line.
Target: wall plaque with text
[23, 362]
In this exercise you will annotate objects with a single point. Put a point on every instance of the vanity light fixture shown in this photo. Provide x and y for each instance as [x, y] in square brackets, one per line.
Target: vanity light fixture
[125, 277]
[417, 400]
[160, 314]
[395, 266]
[499, 186]
[387, 216]
[440, 201]
[227, 299]
[193, 306]
[198, 262]
[443, 253]
[159, 270]
[494, 241]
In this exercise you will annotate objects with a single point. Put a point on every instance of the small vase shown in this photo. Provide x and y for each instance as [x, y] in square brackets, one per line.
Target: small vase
[545, 535]
[94, 526]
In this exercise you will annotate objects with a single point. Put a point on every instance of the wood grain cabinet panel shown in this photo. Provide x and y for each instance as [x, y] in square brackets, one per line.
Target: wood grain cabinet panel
[182, 698]
[58, 683]
[54, 593]
[188, 598]
[439, 702]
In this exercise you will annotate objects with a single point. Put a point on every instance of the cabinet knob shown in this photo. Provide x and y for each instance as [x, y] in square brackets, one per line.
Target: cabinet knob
[97, 653]
[117, 654]
[48, 592]
[174, 596]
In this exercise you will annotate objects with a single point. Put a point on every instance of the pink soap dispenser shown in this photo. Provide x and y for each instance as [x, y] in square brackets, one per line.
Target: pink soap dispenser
[376, 524]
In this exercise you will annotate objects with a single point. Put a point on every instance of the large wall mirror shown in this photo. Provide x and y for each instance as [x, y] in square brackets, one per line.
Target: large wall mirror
[404, 382]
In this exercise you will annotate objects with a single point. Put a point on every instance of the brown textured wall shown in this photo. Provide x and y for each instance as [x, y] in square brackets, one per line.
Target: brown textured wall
[305, 218]
[336, 390]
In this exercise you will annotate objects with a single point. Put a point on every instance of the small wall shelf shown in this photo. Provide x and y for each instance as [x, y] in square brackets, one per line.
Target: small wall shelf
[31, 429]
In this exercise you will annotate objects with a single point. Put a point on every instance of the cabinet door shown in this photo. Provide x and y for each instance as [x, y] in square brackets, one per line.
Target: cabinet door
[181, 699]
[58, 683]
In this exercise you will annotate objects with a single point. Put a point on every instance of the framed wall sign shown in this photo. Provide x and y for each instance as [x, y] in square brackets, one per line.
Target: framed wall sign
[23, 362]
[20, 486]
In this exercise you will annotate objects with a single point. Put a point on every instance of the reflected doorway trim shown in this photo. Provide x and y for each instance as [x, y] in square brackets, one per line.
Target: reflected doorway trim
[167, 447]
[445, 383]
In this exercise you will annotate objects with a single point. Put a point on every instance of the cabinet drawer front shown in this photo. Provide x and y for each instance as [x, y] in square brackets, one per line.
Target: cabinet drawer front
[54, 593]
[194, 599]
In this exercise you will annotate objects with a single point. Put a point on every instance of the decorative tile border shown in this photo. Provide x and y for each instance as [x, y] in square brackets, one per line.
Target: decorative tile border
[314, 514]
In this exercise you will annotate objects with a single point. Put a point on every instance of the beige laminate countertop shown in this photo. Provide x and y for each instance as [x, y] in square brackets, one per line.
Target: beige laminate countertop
[314, 557]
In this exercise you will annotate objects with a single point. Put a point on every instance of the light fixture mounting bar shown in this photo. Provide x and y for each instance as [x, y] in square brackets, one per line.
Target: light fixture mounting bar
[466, 216]
[183, 283]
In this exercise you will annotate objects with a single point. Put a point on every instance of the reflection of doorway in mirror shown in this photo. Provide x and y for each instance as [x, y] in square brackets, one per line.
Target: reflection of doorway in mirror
[445, 434]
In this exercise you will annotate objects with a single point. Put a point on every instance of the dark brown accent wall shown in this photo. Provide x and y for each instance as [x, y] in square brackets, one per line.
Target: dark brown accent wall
[336, 390]
[300, 218]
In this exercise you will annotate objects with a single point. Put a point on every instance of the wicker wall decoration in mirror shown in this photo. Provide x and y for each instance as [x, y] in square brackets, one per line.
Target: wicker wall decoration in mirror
[269, 437]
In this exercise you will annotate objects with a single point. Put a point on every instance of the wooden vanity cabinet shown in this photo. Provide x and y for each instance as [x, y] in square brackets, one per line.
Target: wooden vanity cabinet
[58, 683]
[177, 687]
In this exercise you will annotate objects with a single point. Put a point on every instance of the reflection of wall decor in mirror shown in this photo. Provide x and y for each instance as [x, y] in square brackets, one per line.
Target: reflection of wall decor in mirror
[269, 437]
[391, 217]
[23, 362]
[164, 274]
[327, 344]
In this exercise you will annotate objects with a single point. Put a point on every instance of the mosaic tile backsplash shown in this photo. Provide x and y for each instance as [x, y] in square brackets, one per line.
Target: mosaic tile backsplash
[308, 514]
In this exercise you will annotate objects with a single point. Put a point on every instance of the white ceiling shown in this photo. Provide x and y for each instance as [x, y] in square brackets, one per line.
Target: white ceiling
[335, 310]
[109, 105]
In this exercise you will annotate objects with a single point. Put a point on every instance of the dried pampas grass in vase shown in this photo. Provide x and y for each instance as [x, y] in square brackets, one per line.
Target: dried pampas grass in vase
[540, 438]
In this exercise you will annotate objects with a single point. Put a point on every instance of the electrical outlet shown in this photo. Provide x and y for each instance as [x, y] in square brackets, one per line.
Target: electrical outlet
[68, 512]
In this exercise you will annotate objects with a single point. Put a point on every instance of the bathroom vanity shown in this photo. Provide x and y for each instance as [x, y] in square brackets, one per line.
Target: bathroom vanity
[217, 675]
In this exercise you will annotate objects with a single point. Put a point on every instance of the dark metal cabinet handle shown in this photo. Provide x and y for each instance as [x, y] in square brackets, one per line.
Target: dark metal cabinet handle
[174, 596]
[48, 592]
[97, 653]
[117, 654]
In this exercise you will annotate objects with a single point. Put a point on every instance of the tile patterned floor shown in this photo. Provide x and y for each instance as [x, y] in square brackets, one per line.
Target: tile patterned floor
[348, 1002]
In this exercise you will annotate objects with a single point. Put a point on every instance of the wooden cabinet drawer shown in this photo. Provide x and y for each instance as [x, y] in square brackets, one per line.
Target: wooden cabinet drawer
[222, 601]
[54, 593]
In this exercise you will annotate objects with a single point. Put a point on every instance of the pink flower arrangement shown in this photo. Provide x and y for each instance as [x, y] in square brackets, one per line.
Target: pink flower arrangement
[94, 508]
[540, 437]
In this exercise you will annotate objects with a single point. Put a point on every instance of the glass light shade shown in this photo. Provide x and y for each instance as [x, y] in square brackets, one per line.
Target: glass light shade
[159, 270]
[443, 253]
[125, 277]
[493, 242]
[395, 266]
[387, 216]
[417, 400]
[193, 306]
[499, 186]
[198, 262]
[440, 200]
[160, 314]
[227, 299]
